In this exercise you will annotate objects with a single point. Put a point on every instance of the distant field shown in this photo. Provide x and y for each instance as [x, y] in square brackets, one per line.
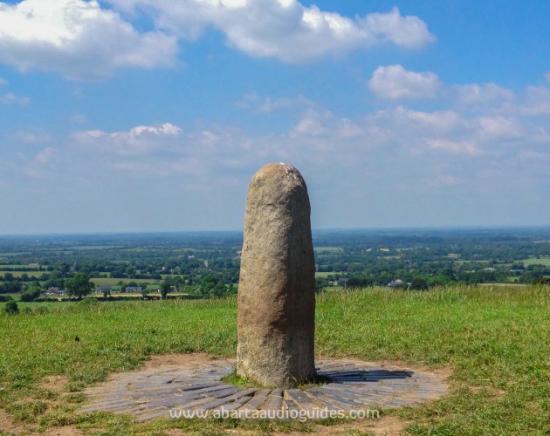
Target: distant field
[29, 266]
[34, 273]
[492, 339]
[108, 281]
[537, 261]
[322, 274]
[321, 249]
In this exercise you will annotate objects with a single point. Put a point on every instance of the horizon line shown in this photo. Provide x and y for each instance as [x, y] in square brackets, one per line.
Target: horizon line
[314, 230]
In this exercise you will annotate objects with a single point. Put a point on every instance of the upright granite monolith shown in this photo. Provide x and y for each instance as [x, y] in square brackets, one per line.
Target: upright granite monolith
[276, 298]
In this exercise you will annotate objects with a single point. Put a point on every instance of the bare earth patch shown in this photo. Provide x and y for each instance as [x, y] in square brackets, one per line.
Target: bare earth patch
[6, 423]
[385, 426]
[8, 426]
[178, 360]
[63, 431]
[55, 383]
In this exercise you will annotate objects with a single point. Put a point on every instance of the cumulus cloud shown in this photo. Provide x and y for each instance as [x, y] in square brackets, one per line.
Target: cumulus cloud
[77, 38]
[81, 39]
[408, 31]
[395, 82]
[282, 29]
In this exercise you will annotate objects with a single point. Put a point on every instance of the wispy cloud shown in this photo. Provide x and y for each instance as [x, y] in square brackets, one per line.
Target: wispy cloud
[11, 98]
[39, 163]
[140, 140]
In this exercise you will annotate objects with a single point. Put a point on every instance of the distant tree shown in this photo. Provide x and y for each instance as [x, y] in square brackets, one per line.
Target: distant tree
[165, 288]
[11, 308]
[419, 284]
[144, 293]
[207, 284]
[219, 290]
[79, 285]
[32, 292]
[321, 283]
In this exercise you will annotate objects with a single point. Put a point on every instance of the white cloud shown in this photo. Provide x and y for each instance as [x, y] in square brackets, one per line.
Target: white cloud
[317, 122]
[11, 98]
[536, 101]
[77, 38]
[482, 93]
[312, 123]
[547, 76]
[81, 39]
[395, 82]
[282, 29]
[408, 32]
[3, 81]
[455, 147]
[29, 137]
[45, 156]
[254, 102]
[444, 120]
[499, 127]
[140, 140]
[39, 163]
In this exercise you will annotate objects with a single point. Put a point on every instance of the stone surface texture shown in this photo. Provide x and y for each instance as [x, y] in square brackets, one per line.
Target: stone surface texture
[195, 389]
[276, 298]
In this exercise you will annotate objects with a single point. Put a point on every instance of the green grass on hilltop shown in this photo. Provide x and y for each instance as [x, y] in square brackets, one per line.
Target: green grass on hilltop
[496, 341]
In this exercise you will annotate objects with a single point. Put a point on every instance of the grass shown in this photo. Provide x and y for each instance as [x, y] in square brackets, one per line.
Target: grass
[496, 340]
[244, 382]
[239, 381]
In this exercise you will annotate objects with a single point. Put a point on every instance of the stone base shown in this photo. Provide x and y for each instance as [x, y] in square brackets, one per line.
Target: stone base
[197, 387]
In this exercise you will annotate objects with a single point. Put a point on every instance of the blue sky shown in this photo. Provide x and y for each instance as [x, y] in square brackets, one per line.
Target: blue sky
[150, 115]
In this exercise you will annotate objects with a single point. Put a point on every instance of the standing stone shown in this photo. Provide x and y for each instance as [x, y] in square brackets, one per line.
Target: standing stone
[276, 298]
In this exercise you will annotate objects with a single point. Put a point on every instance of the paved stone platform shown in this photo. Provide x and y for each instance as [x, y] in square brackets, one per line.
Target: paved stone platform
[197, 386]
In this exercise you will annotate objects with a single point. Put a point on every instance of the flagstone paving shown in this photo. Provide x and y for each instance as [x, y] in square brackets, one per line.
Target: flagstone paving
[197, 386]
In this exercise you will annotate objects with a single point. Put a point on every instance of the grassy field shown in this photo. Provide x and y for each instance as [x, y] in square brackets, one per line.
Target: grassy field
[16, 274]
[108, 281]
[537, 261]
[494, 340]
[323, 274]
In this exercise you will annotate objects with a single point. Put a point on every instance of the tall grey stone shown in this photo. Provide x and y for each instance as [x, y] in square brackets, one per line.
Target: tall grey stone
[276, 297]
